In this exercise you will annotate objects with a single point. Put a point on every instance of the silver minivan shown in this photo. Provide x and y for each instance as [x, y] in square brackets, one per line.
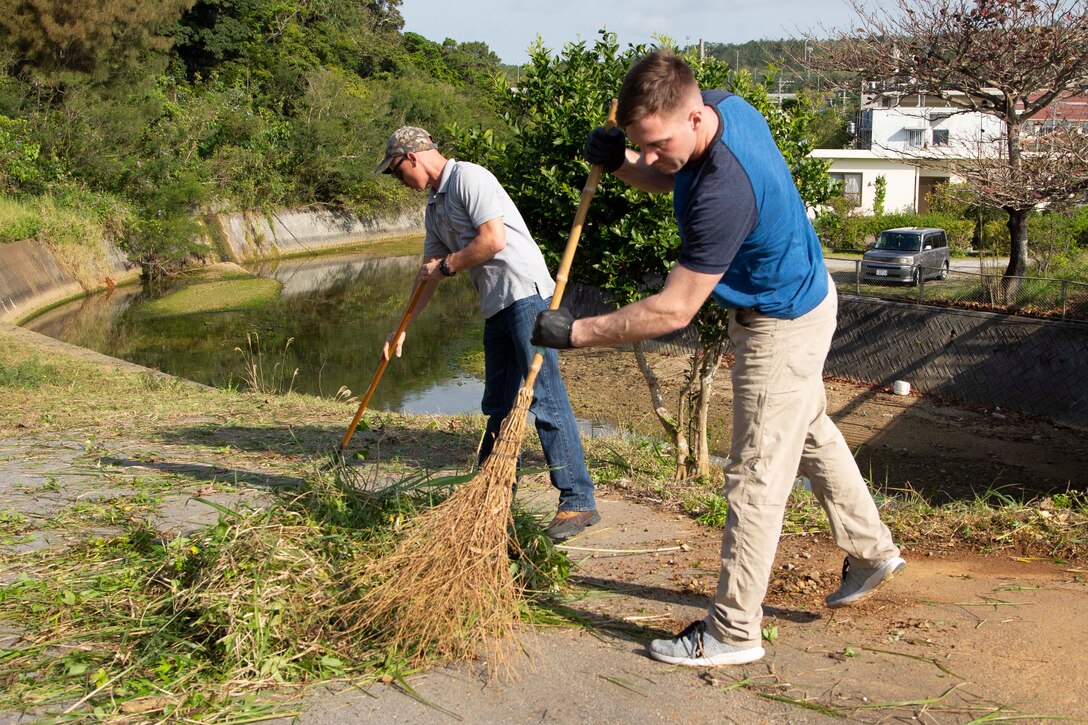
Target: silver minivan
[907, 254]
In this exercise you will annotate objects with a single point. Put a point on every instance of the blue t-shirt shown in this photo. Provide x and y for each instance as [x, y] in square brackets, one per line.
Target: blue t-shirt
[740, 215]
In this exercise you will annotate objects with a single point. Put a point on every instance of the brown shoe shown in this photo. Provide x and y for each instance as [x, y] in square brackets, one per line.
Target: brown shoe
[570, 523]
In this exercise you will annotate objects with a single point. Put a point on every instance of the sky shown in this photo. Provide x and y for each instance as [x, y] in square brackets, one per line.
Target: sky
[509, 27]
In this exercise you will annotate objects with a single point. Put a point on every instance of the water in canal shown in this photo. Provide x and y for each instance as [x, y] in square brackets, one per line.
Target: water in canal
[335, 310]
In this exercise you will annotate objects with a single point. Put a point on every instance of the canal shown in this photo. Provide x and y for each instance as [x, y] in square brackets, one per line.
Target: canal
[328, 323]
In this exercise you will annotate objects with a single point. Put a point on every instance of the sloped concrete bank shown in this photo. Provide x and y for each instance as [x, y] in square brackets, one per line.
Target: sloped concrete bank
[256, 235]
[32, 278]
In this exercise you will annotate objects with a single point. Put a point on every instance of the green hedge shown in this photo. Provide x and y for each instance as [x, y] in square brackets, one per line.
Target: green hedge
[845, 232]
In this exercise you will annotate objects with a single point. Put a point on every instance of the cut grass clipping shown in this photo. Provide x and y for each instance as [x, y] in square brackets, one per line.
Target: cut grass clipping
[227, 622]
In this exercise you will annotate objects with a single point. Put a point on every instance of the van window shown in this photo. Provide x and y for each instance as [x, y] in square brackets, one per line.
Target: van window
[937, 240]
[899, 241]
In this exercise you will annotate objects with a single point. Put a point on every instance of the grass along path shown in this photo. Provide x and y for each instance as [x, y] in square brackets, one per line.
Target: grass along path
[170, 551]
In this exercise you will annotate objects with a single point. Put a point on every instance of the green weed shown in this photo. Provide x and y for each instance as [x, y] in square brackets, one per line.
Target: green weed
[17, 220]
[29, 373]
[226, 622]
[628, 457]
[711, 510]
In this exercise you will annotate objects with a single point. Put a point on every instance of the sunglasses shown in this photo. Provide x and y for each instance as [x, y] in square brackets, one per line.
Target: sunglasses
[394, 169]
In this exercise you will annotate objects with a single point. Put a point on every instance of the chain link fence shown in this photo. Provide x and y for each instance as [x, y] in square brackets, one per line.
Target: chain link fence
[987, 289]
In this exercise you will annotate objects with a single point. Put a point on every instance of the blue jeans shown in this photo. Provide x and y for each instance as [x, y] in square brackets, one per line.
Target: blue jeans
[507, 356]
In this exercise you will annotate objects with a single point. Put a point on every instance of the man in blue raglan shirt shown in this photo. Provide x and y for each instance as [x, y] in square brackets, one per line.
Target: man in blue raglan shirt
[746, 240]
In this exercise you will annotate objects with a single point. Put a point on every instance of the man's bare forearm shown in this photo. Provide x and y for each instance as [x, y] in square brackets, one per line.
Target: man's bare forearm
[643, 176]
[669, 310]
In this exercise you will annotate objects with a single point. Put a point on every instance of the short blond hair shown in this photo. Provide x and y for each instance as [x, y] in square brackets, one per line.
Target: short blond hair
[657, 84]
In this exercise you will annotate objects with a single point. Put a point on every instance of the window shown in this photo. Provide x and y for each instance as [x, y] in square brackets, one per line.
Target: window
[916, 137]
[940, 137]
[851, 186]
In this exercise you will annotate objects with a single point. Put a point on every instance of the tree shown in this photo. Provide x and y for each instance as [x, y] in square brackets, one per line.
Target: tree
[97, 38]
[272, 45]
[1011, 59]
[629, 241]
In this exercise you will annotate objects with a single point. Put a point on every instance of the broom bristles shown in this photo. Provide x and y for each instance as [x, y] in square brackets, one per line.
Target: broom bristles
[447, 588]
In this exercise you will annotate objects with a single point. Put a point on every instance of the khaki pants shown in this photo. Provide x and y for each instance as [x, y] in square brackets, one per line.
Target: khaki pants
[780, 427]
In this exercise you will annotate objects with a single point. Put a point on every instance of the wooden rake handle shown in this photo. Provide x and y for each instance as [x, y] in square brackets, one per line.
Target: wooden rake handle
[404, 320]
[572, 245]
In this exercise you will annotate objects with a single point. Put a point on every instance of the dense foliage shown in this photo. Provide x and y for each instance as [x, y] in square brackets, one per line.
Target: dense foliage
[174, 107]
[629, 241]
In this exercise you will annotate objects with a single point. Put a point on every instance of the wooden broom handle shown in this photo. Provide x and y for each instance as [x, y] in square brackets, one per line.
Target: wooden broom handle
[588, 191]
[579, 220]
[404, 320]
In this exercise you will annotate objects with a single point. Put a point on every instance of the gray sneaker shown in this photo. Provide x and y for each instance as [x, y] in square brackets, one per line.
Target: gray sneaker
[858, 582]
[695, 647]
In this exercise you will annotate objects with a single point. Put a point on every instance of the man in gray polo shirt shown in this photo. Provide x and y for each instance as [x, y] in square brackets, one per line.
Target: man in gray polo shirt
[472, 225]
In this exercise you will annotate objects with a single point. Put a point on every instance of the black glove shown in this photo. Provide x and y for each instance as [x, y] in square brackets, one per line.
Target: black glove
[552, 329]
[606, 147]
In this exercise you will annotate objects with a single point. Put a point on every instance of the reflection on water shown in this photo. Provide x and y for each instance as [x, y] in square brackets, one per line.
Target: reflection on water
[336, 311]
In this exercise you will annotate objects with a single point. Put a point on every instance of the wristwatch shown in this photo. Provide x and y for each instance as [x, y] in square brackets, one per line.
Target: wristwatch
[445, 268]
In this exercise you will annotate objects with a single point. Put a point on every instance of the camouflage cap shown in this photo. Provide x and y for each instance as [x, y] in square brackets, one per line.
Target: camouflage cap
[405, 140]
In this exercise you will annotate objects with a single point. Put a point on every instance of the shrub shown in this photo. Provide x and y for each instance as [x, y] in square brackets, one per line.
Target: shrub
[21, 167]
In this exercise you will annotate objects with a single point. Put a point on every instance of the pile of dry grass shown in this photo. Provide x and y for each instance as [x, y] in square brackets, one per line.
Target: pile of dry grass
[448, 587]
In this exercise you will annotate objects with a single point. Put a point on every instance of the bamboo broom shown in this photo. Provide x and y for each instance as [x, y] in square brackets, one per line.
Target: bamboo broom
[447, 588]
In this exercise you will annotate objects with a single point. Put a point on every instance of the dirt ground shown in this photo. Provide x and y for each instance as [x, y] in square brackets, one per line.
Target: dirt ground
[956, 638]
[938, 448]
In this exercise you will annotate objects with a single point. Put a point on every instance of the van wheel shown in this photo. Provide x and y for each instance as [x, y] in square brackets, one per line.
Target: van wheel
[944, 270]
[916, 277]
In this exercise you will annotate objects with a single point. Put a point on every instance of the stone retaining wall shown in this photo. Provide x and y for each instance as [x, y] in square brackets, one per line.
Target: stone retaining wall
[1015, 363]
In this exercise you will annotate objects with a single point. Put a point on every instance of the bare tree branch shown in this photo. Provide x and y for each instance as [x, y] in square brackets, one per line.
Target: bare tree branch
[1011, 59]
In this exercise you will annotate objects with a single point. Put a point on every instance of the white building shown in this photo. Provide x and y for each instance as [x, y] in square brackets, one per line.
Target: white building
[893, 132]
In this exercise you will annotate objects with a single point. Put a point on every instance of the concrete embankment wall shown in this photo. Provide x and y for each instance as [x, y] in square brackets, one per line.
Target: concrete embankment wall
[256, 235]
[32, 278]
[1015, 363]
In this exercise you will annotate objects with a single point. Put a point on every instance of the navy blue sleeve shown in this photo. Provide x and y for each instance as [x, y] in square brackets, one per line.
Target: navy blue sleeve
[718, 212]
